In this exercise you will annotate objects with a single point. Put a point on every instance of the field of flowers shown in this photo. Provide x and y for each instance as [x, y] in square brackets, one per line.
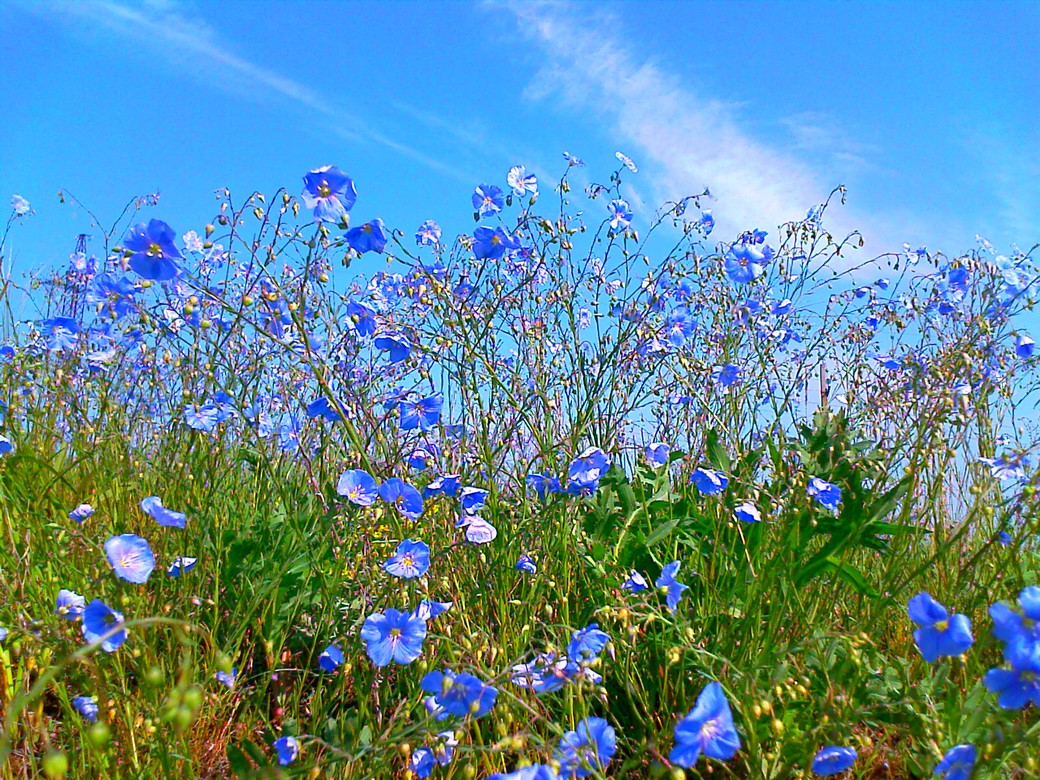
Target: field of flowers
[579, 493]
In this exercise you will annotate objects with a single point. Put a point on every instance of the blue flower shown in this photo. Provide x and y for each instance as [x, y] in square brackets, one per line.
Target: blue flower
[709, 482]
[397, 345]
[533, 772]
[706, 223]
[543, 484]
[152, 505]
[525, 563]
[411, 560]
[422, 414]
[227, 678]
[748, 513]
[487, 199]
[428, 610]
[445, 484]
[287, 749]
[1020, 684]
[1009, 625]
[6, 447]
[362, 317]
[130, 557]
[154, 255]
[672, 588]
[61, 333]
[833, 759]
[620, 214]
[393, 636]
[69, 604]
[587, 643]
[181, 565]
[324, 408]
[708, 728]
[428, 234]
[358, 487]
[658, 453]
[824, 492]
[635, 583]
[940, 634]
[472, 499]
[957, 763]
[727, 375]
[87, 707]
[478, 530]
[587, 749]
[1024, 346]
[330, 192]
[330, 659]
[492, 243]
[521, 182]
[98, 620]
[81, 513]
[407, 499]
[369, 237]
[744, 262]
[460, 694]
[585, 471]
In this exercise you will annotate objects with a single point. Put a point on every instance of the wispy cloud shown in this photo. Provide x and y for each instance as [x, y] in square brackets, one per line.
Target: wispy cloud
[182, 39]
[691, 140]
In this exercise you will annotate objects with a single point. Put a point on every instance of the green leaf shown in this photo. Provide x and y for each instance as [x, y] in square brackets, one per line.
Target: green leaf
[663, 531]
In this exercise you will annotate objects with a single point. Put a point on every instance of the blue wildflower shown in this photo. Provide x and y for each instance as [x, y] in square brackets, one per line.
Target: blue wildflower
[69, 604]
[87, 707]
[487, 200]
[708, 728]
[461, 694]
[407, 499]
[152, 505]
[154, 254]
[422, 414]
[635, 583]
[525, 563]
[585, 471]
[958, 763]
[521, 182]
[397, 345]
[658, 453]
[833, 759]
[358, 487]
[411, 560]
[428, 234]
[1020, 684]
[472, 499]
[445, 484]
[182, 564]
[672, 588]
[227, 678]
[620, 214]
[393, 636]
[81, 513]
[748, 513]
[98, 620]
[824, 492]
[330, 192]
[130, 557]
[369, 237]
[709, 482]
[1009, 625]
[940, 634]
[587, 643]
[287, 749]
[492, 243]
[744, 262]
[587, 749]
[330, 659]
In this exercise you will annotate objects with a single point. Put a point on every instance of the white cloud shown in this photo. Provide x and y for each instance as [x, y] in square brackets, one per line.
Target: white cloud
[691, 140]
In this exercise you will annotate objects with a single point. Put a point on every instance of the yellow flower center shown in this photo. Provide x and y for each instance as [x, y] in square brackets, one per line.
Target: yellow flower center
[324, 190]
[154, 249]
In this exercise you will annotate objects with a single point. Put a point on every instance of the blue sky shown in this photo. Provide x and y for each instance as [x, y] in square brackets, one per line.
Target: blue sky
[927, 112]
